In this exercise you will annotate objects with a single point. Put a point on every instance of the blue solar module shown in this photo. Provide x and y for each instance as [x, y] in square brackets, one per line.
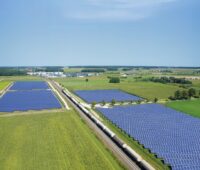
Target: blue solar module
[29, 85]
[172, 135]
[105, 95]
[28, 100]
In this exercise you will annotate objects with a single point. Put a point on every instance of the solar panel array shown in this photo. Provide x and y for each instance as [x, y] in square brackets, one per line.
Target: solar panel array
[105, 95]
[29, 85]
[172, 135]
[24, 96]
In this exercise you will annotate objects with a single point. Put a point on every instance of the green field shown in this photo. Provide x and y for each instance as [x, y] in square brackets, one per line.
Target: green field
[4, 84]
[72, 70]
[51, 141]
[191, 107]
[148, 90]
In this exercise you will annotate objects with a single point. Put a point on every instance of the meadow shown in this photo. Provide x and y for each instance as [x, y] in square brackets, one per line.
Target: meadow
[148, 90]
[191, 107]
[4, 84]
[51, 141]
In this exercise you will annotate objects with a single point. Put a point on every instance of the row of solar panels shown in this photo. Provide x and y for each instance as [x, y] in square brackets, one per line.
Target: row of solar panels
[163, 130]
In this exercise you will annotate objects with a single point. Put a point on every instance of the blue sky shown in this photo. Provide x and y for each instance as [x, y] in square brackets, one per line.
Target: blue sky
[100, 32]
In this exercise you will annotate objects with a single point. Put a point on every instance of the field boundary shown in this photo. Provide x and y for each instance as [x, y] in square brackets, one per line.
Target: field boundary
[61, 98]
[2, 92]
[30, 112]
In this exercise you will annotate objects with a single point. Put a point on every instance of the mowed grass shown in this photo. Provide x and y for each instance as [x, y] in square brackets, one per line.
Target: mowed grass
[4, 84]
[191, 107]
[148, 90]
[51, 141]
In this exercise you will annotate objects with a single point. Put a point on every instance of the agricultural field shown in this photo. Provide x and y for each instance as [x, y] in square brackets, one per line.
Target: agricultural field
[196, 83]
[148, 90]
[162, 130]
[21, 78]
[4, 84]
[191, 107]
[72, 70]
[51, 141]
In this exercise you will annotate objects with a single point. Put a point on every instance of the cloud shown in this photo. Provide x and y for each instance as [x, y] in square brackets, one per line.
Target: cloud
[113, 9]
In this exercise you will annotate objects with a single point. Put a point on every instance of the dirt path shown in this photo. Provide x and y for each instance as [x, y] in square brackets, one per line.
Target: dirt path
[31, 113]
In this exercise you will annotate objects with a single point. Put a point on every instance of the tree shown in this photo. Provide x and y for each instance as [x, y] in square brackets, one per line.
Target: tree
[93, 104]
[191, 92]
[86, 80]
[139, 102]
[155, 100]
[177, 94]
[114, 80]
[113, 102]
[184, 94]
[103, 102]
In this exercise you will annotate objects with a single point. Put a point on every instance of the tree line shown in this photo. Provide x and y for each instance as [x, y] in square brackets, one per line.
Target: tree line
[185, 94]
[165, 80]
[12, 72]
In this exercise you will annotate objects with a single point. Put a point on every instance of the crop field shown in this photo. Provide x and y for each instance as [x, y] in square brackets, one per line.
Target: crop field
[51, 141]
[148, 90]
[24, 96]
[191, 107]
[4, 84]
[105, 95]
[172, 135]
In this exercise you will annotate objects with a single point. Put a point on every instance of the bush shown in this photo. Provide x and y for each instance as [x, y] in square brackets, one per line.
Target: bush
[170, 80]
[185, 94]
[93, 70]
[93, 104]
[113, 102]
[155, 100]
[191, 92]
[103, 102]
[114, 80]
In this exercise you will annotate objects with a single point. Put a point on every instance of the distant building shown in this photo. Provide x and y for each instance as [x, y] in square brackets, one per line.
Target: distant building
[80, 74]
[47, 74]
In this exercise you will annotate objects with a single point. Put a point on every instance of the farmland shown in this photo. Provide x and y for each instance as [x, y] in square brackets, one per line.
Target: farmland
[148, 90]
[144, 127]
[4, 84]
[51, 141]
[190, 107]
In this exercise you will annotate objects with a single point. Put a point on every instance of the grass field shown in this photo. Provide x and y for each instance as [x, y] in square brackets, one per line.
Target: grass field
[51, 141]
[4, 84]
[148, 90]
[191, 107]
[21, 78]
[72, 70]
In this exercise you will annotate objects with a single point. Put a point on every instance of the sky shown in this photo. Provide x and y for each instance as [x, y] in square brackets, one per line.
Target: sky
[100, 32]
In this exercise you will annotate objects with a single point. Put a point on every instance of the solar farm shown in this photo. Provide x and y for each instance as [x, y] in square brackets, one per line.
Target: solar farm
[105, 95]
[25, 96]
[171, 135]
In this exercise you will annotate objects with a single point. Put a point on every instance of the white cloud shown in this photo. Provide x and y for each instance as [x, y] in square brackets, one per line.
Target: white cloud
[114, 9]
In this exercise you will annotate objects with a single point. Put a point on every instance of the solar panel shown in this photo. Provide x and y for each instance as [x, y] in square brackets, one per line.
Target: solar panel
[28, 100]
[29, 85]
[31, 95]
[105, 95]
[172, 135]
